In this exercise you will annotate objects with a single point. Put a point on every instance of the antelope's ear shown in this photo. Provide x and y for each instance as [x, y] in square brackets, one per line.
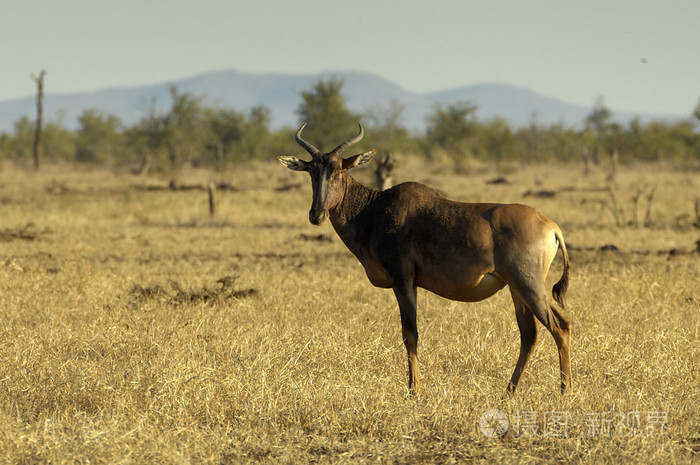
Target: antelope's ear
[358, 160]
[293, 163]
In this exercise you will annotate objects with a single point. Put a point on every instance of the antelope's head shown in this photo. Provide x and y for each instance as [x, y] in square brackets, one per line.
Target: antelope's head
[327, 171]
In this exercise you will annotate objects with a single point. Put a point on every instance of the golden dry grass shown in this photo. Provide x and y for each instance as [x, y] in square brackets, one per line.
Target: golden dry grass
[136, 329]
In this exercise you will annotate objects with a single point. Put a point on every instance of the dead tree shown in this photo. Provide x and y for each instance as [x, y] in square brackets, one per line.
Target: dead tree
[614, 156]
[615, 208]
[650, 200]
[211, 189]
[39, 115]
[144, 167]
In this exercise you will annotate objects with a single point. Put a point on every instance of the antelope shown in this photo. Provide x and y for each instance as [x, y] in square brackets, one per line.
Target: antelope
[384, 172]
[410, 236]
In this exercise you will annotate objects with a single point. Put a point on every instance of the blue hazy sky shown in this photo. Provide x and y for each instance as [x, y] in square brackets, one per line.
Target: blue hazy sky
[639, 56]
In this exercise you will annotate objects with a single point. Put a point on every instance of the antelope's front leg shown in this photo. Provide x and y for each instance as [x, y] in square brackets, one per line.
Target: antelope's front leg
[406, 297]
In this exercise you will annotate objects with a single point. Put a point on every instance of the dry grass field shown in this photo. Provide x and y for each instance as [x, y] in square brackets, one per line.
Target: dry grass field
[135, 328]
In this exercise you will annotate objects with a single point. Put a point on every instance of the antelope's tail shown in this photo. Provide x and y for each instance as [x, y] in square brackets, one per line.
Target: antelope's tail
[559, 289]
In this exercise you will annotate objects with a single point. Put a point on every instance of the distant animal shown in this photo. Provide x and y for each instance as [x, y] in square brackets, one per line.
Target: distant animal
[384, 172]
[410, 236]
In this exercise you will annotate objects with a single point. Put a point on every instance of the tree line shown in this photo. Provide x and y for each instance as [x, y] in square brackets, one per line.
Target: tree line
[190, 133]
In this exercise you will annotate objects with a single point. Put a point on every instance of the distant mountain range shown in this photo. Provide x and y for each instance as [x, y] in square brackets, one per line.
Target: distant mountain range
[281, 94]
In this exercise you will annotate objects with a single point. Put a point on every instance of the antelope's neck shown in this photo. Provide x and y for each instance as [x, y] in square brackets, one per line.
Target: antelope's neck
[351, 214]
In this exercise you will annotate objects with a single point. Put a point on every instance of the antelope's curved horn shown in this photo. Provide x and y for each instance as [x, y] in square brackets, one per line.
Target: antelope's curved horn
[339, 149]
[315, 153]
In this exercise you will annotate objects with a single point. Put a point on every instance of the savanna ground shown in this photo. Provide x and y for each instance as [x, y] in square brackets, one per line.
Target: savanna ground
[135, 328]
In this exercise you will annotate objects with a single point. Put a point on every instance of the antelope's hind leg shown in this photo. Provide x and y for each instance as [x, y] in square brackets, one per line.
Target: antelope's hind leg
[528, 338]
[535, 300]
[562, 335]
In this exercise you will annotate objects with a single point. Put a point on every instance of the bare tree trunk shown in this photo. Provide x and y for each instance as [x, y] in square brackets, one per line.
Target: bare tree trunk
[145, 166]
[596, 153]
[586, 161]
[39, 115]
[616, 210]
[635, 204]
[650, 200]
[613, 164]
[212, 198]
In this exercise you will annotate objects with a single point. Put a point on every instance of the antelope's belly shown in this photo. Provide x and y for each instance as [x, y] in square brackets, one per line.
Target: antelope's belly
[464, 290]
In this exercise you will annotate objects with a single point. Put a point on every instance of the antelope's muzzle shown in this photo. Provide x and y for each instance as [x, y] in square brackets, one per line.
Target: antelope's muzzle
[316, 217]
